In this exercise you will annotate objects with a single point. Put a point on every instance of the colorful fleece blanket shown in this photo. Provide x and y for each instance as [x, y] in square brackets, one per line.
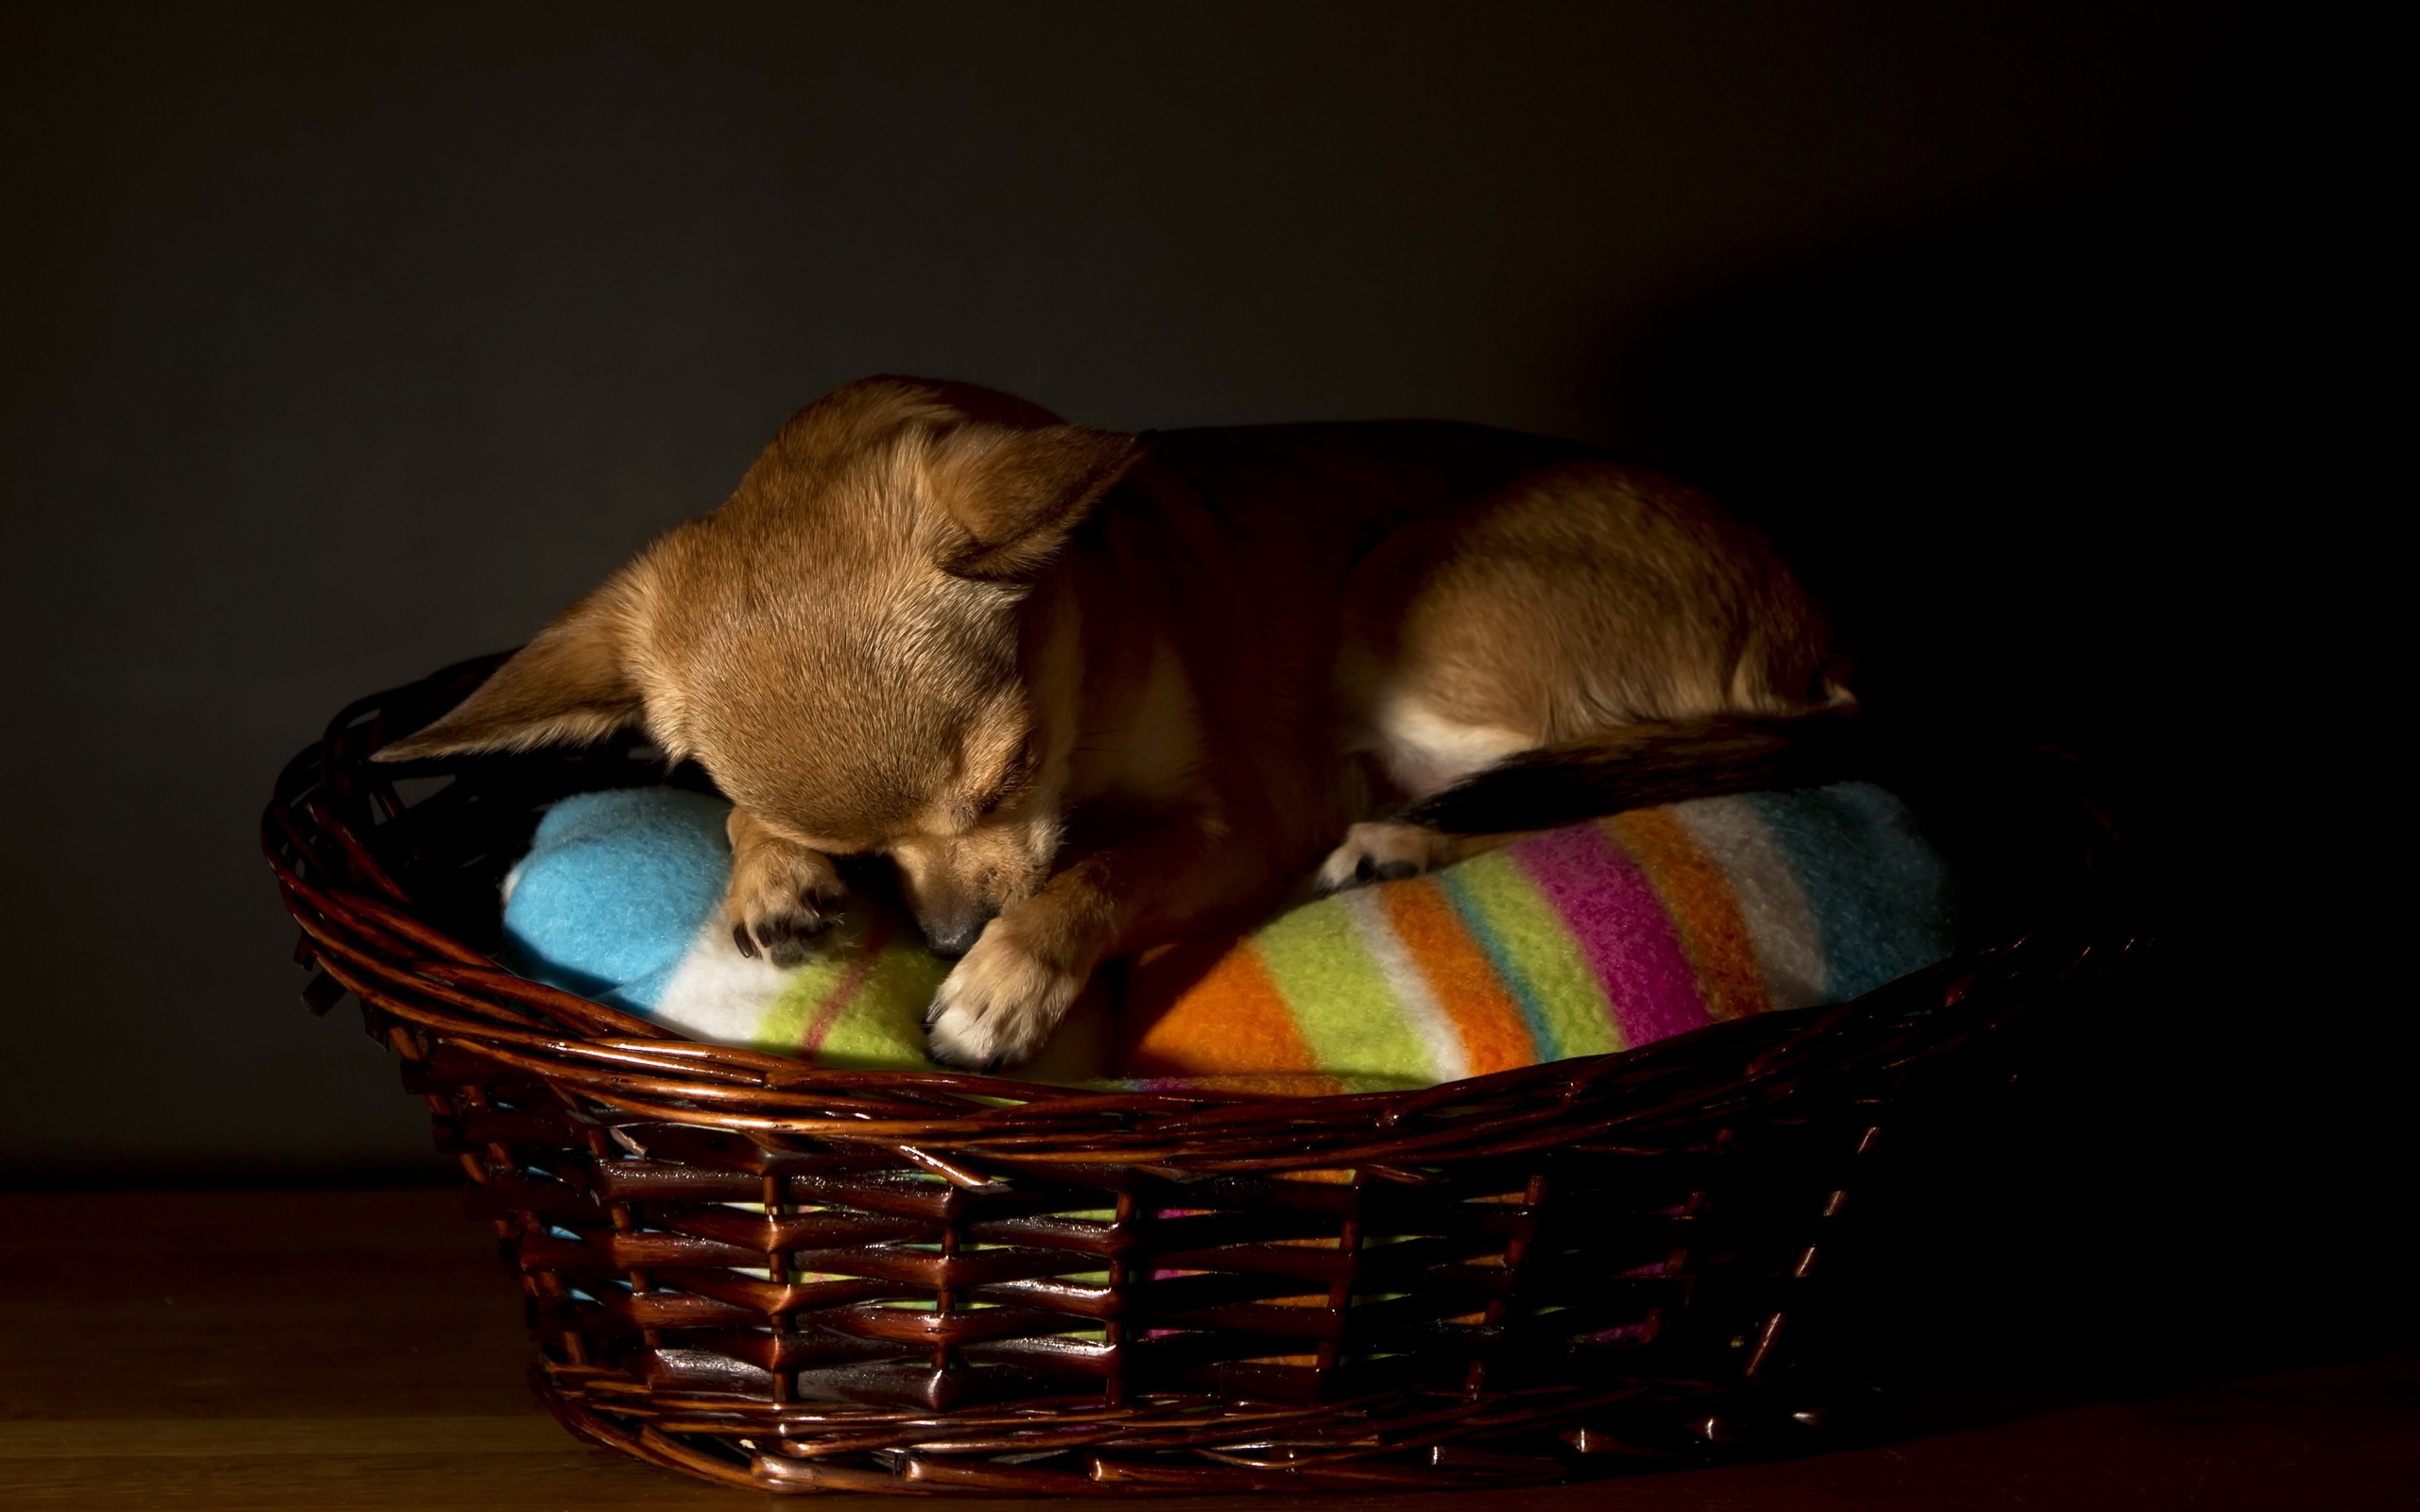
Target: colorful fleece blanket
[1597, 938]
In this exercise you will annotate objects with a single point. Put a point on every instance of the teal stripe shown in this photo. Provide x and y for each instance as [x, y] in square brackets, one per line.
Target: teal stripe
[1881, 895]
[1456, 881]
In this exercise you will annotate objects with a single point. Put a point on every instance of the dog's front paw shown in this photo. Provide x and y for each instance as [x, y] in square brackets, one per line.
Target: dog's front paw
[782, 900]
[1383, 853]
[999, 1004]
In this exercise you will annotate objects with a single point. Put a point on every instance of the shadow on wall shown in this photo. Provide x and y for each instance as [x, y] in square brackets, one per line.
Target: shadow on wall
[2053, 475]
[1995, 455]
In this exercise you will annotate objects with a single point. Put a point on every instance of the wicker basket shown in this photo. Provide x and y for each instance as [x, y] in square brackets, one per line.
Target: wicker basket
[791, 1279]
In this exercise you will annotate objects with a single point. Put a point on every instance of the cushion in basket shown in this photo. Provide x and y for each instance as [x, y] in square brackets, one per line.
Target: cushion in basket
[1596, 938]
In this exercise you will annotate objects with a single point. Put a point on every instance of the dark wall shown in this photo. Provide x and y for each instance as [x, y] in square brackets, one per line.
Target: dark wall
[345, 341]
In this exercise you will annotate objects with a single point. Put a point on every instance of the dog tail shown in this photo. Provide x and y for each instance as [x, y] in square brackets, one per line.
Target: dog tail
[1648, 764]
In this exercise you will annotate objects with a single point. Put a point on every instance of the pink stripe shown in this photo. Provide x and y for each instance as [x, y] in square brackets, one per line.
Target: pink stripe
[1612, 910]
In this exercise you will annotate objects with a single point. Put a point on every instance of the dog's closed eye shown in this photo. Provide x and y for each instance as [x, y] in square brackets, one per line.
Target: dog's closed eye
[1016, 776]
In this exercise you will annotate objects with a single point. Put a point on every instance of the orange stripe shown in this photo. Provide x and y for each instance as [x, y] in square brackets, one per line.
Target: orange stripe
[1229, 1019]
[1697, 897]
[1495, 1035]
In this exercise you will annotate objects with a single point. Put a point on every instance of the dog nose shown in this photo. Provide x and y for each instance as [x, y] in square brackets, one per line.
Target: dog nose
[951, 938]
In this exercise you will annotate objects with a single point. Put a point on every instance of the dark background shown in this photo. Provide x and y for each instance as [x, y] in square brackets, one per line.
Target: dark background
[345, 341]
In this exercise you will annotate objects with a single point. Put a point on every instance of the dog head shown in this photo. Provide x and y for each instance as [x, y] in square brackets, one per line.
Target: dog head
[844, 643]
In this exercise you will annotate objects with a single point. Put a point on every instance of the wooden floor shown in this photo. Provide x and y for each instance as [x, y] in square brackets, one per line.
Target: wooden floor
[338, 1350]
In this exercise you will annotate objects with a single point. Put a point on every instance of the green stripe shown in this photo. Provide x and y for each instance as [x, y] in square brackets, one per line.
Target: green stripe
[783, 1029]
[1532, 951]
[1341, 1002]
[884, 1028]
[881, 1028]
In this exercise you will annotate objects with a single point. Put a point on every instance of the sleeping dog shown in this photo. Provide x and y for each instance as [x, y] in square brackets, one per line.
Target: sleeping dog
[1093, 691]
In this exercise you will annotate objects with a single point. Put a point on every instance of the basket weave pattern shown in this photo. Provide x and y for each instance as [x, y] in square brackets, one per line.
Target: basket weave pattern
[787, 1278]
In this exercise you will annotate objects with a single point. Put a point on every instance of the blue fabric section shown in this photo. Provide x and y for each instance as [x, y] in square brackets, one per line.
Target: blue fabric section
[614, 887]
[1883, 897]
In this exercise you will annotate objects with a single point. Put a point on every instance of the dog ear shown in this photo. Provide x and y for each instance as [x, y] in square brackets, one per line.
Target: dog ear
[1016, 494]
[567, 686]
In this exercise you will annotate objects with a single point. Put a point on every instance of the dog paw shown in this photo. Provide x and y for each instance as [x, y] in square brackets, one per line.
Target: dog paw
[998, 1005]
[1383, 853]
[783, 900]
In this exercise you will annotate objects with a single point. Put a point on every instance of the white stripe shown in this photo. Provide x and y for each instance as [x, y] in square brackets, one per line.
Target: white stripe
[1421, 1009]
[718, 995]
[1788, 945]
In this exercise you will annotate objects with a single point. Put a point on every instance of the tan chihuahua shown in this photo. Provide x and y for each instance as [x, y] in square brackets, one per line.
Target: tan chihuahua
[1093, 691]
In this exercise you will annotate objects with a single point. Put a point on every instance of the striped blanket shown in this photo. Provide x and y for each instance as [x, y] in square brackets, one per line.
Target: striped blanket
[1592, 939]
[1583, 940]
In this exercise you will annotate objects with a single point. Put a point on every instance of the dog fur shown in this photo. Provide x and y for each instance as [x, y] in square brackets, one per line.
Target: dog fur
[1092, 692]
